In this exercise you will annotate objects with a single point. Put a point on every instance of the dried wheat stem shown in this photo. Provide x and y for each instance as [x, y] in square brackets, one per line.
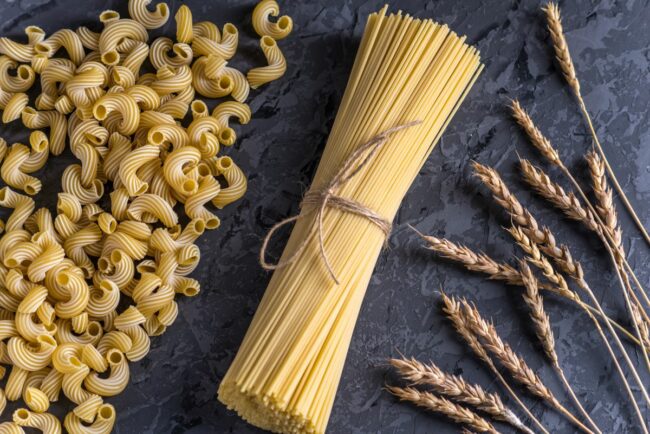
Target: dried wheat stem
[563, 56]
[452, 309]
[480, 262]
[443, 406]
[563, 259]
[457, 389]
[515, 364]
[544, 333]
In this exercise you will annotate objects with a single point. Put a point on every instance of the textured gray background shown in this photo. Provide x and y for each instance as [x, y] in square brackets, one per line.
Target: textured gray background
[173, 389]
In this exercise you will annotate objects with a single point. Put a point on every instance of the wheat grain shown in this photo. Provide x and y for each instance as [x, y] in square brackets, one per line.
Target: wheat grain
[443, 406]
[605, 206]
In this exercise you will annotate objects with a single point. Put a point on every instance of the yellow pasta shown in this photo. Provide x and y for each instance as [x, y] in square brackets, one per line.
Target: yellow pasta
[63, 276]
[264, 27]
[150, 20]
[409, 74]
[276, 68]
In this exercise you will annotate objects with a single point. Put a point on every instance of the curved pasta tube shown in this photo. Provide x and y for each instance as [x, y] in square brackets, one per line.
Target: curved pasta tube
[162, 241]
[118, 147]
[15, 382]
[203, 133]
[88, 38]
[87, 410]
[115, 32]
[30, 329]
[264, 27]
[117, 380]
[51, 385]
[22, 52]
[177, 105]
[88, 76]
[167, 134]
[184, 31]
[115, 339]
[31, 359]
[56, 73]
[136, 58]
[122, 103]
[72, 384]
[9, 427]
[209, 189]
[75, 246]
[141, 343]
[117, 267]
[199, 109]
[32, 300]
[20, 82]
[224, 112]
[131, 163]
[67, 358]
[71, 183]
[13, 175]
[36, 400]
[23, 207]
[173, 169]
[145, 97]
[64, 334]
[53, 120]
[237, 183]
[103, 299]
[132, 247]
[80, 322]
[14, 107]
[103, 421]
[170, 80]
[160, 49]
[65, 38]
[210, 88]
[225, 47]
[276, 68]
[45, 422]
[150, 20]
[154, 205]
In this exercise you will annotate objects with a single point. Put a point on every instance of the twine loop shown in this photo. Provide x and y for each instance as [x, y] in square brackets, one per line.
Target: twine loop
[321, 199]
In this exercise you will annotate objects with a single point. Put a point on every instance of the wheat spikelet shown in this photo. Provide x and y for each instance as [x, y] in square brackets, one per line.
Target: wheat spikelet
[536, 137]
[568, 203]
[454, 387]
[515, 365]
[443, 406]
[471, 260]
[453, 310]
[560, 46]
[540, 319]
[605, 206]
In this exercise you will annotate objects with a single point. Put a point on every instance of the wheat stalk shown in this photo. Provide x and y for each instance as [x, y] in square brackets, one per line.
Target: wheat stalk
[544, 332]
[563, 259]
[515, 364]
[457, 389]
[443, 406]
[480, 262]
[453, 311]
[563, 56]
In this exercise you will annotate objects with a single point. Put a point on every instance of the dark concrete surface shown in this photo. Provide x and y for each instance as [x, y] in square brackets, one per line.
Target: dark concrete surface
[173, 389]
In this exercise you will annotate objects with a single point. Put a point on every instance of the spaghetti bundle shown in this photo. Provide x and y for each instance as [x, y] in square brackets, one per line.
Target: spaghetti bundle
[408, 79]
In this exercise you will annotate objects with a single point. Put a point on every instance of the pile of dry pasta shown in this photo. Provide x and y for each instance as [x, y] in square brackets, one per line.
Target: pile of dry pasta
[409, 74]
[82, 292]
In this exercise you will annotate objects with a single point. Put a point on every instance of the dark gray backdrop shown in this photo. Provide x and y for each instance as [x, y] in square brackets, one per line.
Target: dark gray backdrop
[173, 389]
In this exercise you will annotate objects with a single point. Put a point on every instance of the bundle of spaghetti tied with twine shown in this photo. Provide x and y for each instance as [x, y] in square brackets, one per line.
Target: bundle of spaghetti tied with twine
[408, 80]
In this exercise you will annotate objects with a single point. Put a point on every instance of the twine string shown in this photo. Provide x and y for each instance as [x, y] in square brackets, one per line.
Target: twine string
[319, 200]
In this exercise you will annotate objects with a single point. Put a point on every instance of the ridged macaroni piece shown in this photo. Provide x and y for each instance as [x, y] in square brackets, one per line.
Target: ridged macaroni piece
[264, 26]
[276, 68]
[288, 367]
[150, 20]
[65, 277]
[224, 45]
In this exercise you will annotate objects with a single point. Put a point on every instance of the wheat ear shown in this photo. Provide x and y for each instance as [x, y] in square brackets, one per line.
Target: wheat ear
[480, 262]
[563, 56]
[545, 147]
[453, 311]
[563, 259]
[514, 364]
[544, 332]
[443, 406]
[457, 389]
[574, 209]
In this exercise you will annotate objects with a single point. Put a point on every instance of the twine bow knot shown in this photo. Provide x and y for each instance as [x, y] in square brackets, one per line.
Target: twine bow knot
[321, 199]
